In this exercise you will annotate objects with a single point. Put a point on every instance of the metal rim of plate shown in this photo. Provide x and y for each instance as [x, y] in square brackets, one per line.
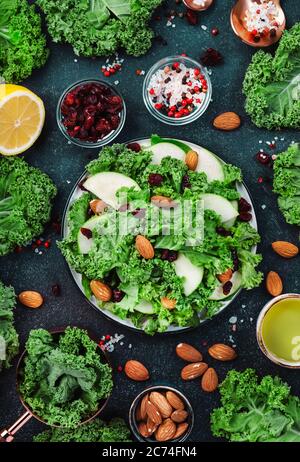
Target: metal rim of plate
[75, 194]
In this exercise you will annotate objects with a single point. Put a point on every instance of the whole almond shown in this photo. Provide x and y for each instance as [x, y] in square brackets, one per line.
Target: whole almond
[31, 299]
[143, 430]
[222, 352]
[227, 121]
[166, 430]
[143, 407]
[181, 429]
[226, 276]
[144, 247]
[161, 403]
[174, 400]
[168, 303]
[98, 206]
[274, 284]
[191, 159]
[136, 371]
[188, 353]
[163, 202]
[192, 371]
[178, 416]
[151, 427]
[209, 380]
[153, 413]
[285, 249]
[101, 291]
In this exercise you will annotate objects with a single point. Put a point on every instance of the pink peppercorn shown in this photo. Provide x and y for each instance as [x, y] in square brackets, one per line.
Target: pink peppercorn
[119, 368]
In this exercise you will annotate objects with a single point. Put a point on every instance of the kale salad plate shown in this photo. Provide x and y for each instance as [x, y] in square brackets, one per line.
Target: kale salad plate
[160, 234]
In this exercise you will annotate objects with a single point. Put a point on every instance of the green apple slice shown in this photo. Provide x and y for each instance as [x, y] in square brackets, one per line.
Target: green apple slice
[236, 285]
[106, 184]
[144, 307]
[230, 223]
[85, 244]
[221, 206]
[166, 149]
[191, 273]
[209, 164]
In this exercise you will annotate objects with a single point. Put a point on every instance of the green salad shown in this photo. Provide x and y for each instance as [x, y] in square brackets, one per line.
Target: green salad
[64, 380]
[202, 259]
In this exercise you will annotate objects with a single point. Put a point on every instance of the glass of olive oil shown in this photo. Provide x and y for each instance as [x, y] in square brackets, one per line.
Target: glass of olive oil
[278, 330]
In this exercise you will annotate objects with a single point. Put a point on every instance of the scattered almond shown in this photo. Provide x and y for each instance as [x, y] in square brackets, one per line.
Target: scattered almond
[101, 291]
[192, 371]
[188, 353]
[163, 202]
[166, 430]
[209, 380]
[98, 206]
[179, 415]
[144, 247]
[181, 429]
[285, 249]
[274, 284]
[168, 303]
[174, 400]
[31, 299]
[227, 121]
[161, 403]
[153, 413]
[191, 159]
[226, 276]
[222, 352]
[136, 371]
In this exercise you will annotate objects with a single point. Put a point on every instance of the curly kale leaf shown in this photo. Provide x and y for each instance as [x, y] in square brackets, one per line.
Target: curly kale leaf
[9, 341]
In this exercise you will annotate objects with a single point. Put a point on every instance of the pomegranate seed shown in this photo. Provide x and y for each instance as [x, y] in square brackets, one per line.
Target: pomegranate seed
[196, 72]
[263, 158]
[197, 89]
[47, 244]
[86, 232]
[215, 31]
[170, 114]
[177, 115]
[151, 91]
[260, 179]
[107, 73]
[107, 337]
[158, 106]
[119, 368]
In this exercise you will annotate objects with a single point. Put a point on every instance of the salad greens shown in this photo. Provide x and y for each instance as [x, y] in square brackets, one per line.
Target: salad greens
[64, 379]
[100, 27]
[186, 261]
[22, 44]
[96, 431]
[256, 410]
[25, 202]
[9, 341]
[272, 85]
[287, 183]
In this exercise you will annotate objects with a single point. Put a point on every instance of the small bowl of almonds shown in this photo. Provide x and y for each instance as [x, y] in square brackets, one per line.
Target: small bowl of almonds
[161, 413]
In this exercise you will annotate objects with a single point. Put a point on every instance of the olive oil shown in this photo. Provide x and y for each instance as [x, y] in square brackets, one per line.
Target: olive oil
[281, 329]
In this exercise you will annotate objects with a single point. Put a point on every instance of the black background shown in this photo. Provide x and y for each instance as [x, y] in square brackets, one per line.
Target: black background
[64, 163]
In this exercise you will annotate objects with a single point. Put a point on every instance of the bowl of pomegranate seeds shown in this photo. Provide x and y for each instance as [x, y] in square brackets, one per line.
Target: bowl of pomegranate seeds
[91, 113]
[177, 90]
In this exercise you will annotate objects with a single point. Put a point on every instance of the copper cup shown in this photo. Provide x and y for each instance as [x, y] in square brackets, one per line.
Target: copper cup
[275, 359]
[7, 435]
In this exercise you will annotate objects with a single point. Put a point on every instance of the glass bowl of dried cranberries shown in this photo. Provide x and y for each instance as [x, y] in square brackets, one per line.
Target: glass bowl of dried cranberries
[91, 113]
[177, 90]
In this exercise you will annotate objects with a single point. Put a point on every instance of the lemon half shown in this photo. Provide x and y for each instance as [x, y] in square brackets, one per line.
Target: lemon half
[22, 116]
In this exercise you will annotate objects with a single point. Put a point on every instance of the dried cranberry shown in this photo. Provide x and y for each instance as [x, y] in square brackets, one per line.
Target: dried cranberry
[169, 255]
[118, 295]
[139, 213]
[222, 231]
[244, 205]
[89, 122]
[103, 126]
[211, 57]
[263, 158]
[235, 259]
[86, 232]
[155, 179]
[245, 216]
[186, 182]
[227, 287]
[136, 147]
[90, 111]
[114, 121]
[83, 134]
[56, 290]
[191, 16]
[92, 99]
[69, 99]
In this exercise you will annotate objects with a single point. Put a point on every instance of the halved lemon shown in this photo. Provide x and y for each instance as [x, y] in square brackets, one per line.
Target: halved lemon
[22, 116]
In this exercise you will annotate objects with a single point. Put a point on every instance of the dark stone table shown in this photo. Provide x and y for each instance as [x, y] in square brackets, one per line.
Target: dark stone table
[64, 163]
